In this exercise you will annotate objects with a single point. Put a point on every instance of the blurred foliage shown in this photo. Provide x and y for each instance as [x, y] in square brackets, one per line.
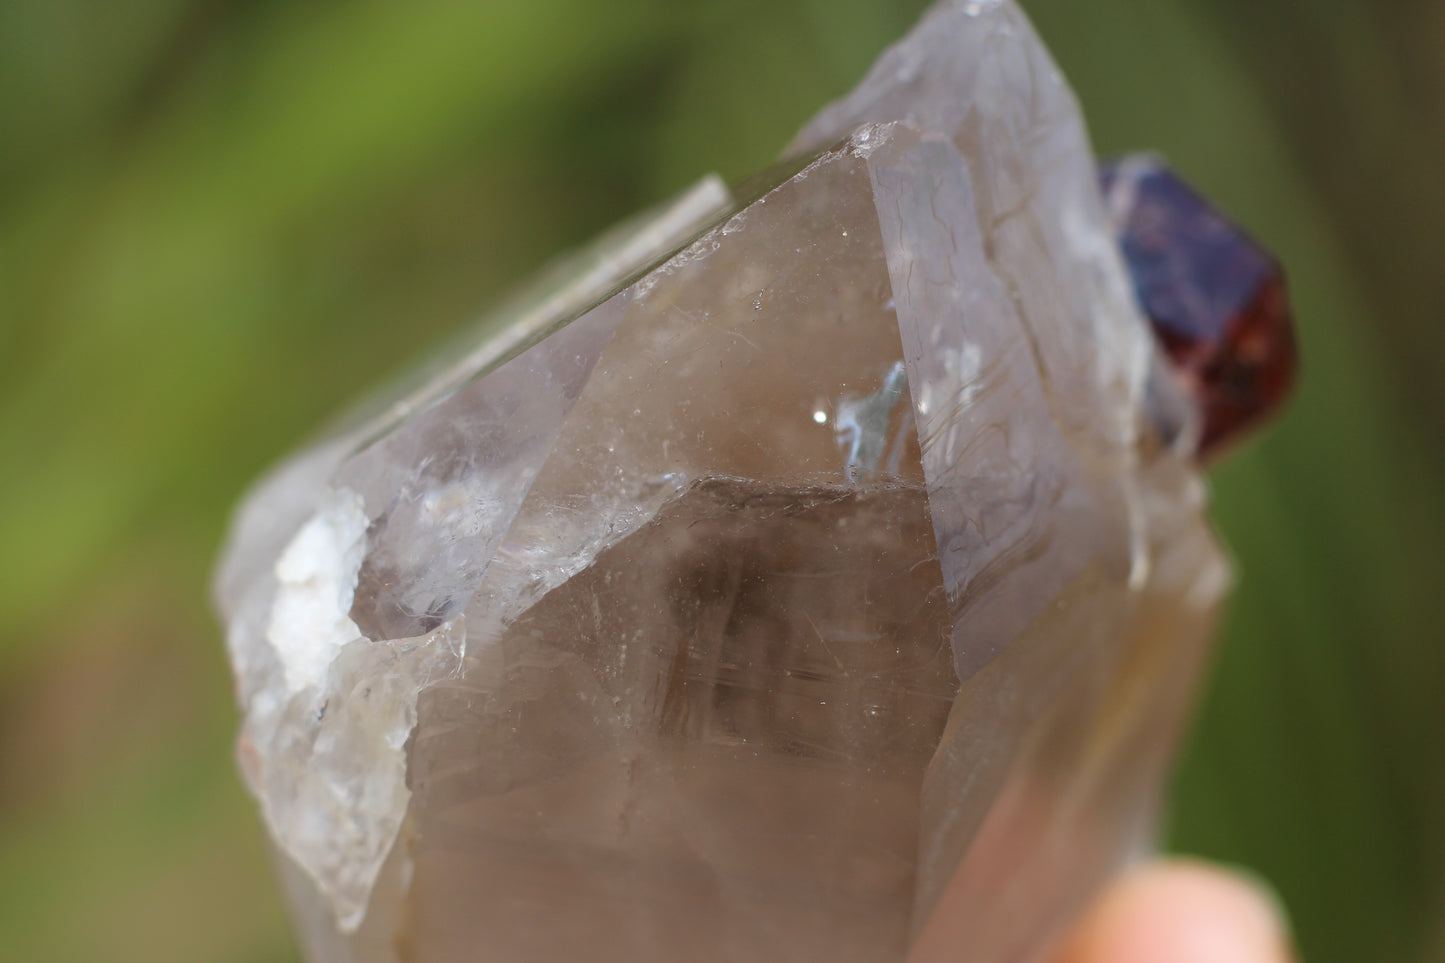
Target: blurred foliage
[220, 219]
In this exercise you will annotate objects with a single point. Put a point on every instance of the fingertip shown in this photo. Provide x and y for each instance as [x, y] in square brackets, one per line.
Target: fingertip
[1181, 912]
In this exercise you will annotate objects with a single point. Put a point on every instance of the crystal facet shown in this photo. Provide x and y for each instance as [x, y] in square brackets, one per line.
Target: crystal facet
[801, 577]
[1215, 297]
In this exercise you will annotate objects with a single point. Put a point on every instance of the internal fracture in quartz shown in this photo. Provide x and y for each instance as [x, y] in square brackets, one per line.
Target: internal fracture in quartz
[801, 578]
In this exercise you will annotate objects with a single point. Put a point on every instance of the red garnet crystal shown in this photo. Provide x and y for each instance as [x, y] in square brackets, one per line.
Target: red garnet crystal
[1215, 297]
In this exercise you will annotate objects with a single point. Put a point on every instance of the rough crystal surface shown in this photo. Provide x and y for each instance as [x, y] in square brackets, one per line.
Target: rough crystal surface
[798, 579]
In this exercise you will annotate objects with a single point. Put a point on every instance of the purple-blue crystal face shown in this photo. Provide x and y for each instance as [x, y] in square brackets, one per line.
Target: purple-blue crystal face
[1215, 297]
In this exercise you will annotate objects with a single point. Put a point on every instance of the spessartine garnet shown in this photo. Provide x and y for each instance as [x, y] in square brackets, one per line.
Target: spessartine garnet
[1215, 297]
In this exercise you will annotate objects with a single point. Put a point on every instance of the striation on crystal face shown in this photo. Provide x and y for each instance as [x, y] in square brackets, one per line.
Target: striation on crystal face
[800, 579]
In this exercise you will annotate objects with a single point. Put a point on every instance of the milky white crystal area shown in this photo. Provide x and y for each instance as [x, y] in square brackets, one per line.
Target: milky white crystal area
[795, 578]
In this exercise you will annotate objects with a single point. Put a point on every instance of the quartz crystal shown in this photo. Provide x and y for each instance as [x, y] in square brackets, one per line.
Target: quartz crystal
[800, 574]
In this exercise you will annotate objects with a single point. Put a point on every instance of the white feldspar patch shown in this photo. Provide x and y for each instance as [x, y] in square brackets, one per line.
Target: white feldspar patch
[316, 580]
[337, 618]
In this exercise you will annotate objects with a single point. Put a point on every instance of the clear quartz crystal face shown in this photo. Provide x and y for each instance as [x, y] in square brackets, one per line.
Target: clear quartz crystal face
[795, 576]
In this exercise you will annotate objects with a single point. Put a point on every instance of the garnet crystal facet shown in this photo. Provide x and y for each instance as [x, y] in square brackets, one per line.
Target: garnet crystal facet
[793, 576]
[1216, 298]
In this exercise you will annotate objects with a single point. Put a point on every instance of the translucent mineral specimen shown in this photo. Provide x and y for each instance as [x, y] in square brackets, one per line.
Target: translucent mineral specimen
[800, 575]
[1215, 297]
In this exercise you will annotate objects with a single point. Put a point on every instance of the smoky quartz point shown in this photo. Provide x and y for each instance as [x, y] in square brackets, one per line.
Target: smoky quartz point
[800, 574]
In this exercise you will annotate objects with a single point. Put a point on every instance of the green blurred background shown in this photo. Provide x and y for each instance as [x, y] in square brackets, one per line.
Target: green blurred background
[220, 219]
